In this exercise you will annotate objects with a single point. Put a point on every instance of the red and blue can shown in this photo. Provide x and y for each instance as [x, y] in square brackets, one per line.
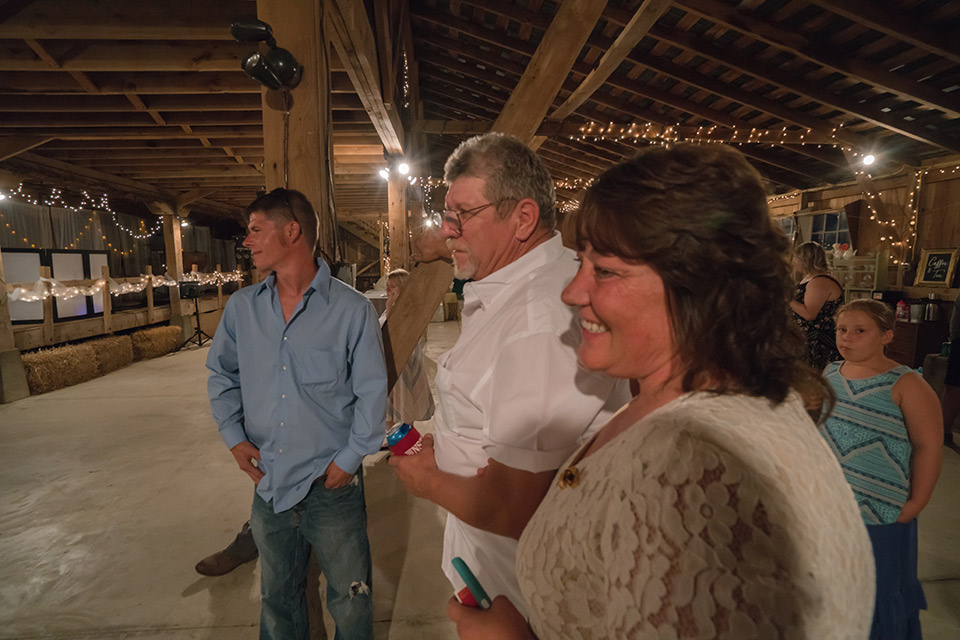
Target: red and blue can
[404, 440]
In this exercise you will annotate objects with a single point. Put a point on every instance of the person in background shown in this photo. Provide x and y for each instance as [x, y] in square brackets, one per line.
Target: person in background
[511, 398]
[708, 507]
[950, 400]
[410, 400]
[886, 431]
[298, 389]
[815, 301]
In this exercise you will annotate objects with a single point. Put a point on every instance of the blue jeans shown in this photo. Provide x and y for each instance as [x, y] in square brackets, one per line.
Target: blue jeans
[334, 523]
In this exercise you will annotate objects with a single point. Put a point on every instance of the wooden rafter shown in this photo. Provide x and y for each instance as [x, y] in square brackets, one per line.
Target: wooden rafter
[896, 25]
[635, 30]
[11, 146]
[548, 68]
[353, 39]
[771, 34]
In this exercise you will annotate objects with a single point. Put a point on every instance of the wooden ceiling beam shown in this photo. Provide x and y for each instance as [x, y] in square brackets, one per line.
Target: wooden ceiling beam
[54, 103]
[137, 103]
[121, 20]
[556, 54]
[777, 108]
[138, 154]
[629, 37]
[746, 23]
[13, 82]
[580, 164]
[769, 157]
[634, 87]
[897, 25]
[352, 36]
[148, 133]
[30, 163]
[198, 171]
[149, 145]
[813, 92]
[189, 197]
[144, 164]
[11, 146]
[723, 56]
[692, 133]
[92, 56]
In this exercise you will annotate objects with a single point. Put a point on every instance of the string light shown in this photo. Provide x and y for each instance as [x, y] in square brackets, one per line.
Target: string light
[651, 133]
[86, 203]
[44, 288]
[406, 81]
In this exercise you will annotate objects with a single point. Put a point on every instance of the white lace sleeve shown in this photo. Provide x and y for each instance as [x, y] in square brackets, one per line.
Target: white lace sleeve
[714, 518]
[694, 548]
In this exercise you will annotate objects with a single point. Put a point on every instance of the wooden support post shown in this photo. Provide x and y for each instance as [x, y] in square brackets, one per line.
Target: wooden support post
[297, 158]
[397, 210]
[107, 302]
[149, 291]
[47, 312]
[411, 314]
[173, 247]
[219, 290]
[13, 381]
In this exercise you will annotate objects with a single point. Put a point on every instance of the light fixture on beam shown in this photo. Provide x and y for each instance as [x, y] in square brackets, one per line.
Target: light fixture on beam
[277, 68]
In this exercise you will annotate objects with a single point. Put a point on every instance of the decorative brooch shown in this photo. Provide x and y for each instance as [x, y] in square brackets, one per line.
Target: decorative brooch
[569, 478]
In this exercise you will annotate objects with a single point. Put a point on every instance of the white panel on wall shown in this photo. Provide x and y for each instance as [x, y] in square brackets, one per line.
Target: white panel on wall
[23, 268]
[69, 266]
[97, 262]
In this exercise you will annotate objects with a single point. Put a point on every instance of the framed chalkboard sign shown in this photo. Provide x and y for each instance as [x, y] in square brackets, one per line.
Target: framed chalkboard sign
[936, 267]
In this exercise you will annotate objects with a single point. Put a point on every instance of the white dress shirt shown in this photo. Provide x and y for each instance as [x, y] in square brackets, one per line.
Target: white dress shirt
[511, 389]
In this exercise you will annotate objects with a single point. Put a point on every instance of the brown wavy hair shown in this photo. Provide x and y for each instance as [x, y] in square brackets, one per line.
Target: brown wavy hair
[811, 256]
[698, 216]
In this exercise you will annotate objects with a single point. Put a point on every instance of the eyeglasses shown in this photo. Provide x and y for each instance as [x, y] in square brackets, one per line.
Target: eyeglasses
[456, 218]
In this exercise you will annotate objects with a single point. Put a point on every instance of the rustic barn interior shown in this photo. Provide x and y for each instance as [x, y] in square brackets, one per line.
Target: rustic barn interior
[140, 119]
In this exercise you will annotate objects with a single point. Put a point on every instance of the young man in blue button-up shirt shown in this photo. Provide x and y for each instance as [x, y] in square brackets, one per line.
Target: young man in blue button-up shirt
[298, 388]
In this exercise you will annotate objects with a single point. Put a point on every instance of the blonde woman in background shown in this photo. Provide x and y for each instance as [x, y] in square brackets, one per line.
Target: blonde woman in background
[815, 301]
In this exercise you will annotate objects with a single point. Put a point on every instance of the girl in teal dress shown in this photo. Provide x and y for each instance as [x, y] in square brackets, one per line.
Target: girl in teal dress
[886, 430]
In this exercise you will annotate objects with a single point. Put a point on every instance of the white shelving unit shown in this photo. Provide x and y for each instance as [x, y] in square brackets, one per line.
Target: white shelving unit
[860, 275]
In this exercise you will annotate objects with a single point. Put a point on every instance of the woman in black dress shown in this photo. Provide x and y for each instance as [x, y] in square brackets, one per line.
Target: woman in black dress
[815, 302]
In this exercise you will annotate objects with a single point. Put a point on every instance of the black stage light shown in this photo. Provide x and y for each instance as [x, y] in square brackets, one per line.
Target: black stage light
[275, 69]
[252, 30]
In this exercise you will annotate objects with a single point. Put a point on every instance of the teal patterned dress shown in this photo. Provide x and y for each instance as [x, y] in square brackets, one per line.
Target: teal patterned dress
[867, 433]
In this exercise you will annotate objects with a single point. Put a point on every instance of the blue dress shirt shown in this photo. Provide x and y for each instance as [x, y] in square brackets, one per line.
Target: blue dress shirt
[304, 392]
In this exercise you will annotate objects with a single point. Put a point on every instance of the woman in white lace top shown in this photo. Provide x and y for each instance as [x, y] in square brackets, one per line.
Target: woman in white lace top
[708, 507]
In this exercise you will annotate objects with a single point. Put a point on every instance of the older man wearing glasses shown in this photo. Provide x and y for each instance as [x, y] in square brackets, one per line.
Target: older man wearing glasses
[298, 388]
[513, 403]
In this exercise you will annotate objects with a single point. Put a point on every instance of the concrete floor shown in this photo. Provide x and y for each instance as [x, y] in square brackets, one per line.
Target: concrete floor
[113, 489]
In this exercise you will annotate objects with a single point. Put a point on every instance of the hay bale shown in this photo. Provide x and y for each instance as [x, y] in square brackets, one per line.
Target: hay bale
[154, 342]
[113, 353]
[60, 367]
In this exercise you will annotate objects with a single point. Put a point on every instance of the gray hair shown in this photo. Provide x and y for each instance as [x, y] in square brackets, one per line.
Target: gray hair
[511, 170]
